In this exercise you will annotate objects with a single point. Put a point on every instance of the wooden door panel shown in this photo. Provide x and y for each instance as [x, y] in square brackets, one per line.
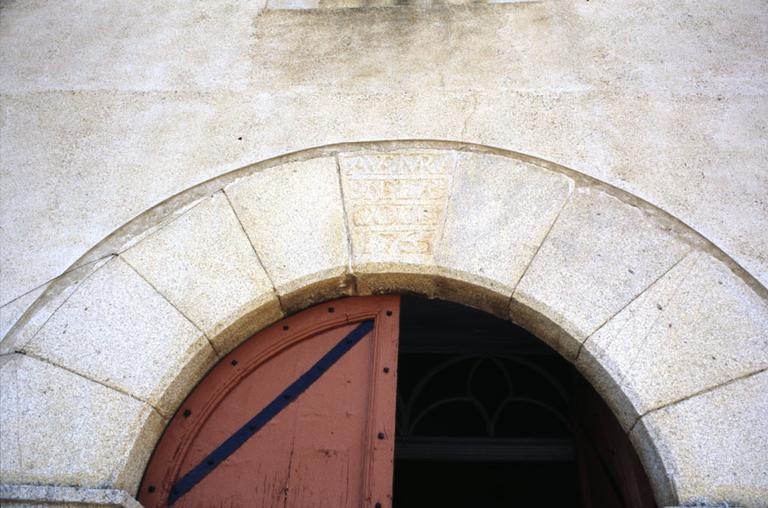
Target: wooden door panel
[296, 416]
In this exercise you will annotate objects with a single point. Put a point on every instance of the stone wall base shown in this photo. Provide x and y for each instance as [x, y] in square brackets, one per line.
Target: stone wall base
[49, 496]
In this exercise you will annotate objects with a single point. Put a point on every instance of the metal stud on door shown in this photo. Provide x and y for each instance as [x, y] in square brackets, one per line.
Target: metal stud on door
[301, 414]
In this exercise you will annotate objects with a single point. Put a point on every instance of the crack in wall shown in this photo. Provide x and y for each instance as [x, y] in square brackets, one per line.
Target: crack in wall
[347, 228]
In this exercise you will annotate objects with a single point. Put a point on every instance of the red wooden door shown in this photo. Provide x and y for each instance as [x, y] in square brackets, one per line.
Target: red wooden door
[301, 414]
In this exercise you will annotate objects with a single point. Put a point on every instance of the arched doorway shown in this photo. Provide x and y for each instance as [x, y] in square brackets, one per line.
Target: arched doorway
[667, 328]
[303, 414]
[488, 415]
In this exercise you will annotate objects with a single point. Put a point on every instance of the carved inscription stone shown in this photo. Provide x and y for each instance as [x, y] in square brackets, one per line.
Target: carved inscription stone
[396, 203]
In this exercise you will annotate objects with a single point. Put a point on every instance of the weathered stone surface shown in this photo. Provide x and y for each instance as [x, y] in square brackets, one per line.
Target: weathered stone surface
[59, 428]
[138, 56]
[116, 329]
[588, 87]
[204, 263]
[499, 213]
[294, 217]
[40, 309]
[600, 254]
[122, 105]
[697, 327]
[395, 203]
[50, 496]
[356, 4]
[132, 182]
[704, 505]
[713, 446]
[11, 312]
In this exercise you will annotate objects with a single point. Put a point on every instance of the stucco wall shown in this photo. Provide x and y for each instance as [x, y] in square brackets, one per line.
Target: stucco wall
[109, 108]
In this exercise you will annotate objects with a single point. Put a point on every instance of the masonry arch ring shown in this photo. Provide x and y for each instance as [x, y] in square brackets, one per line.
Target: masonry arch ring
[671, 331]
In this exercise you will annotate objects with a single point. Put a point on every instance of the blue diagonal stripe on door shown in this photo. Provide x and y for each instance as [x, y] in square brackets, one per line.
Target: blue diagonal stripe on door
[236, 440]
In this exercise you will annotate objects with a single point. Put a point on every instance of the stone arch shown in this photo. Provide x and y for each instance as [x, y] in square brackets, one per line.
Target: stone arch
[671, 332]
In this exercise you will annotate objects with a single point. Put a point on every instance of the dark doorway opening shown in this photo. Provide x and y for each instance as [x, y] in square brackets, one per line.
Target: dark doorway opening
[488, 415]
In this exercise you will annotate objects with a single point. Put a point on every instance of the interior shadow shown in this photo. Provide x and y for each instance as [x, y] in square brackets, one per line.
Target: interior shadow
[488, 415]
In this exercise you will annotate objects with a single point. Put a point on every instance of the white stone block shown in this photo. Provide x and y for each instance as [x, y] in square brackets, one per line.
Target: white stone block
[395, 204]
[204, 263]
[499, 212]
[294, 217]
[57, 427]
[116, 329]
[600, 254]
[699, 326]
[713, 446]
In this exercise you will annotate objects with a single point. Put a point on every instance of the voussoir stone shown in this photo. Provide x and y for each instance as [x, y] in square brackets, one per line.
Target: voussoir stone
[294, 217]
[396, 203]
[117, 330]
[713, 447]
[697, 327]
[43, 304]
[59, 428]
[499, 212]
[600, 254]
[204, 263]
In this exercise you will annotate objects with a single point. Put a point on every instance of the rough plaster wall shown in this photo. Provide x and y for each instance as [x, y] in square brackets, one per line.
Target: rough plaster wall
[109, 108]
